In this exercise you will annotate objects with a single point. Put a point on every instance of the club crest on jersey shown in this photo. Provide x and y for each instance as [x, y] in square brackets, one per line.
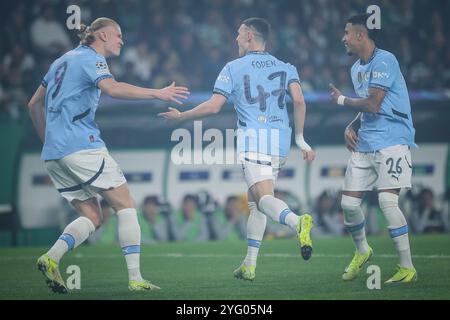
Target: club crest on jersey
[366, 76]
[101, 67]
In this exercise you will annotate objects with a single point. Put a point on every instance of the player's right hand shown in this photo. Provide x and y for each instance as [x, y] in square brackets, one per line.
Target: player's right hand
[351, 138]
[172, 115]
[173, 94]
[334, 93]
[309, 155]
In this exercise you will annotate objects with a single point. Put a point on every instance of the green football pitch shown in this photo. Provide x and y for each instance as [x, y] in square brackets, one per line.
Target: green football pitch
[204, 271]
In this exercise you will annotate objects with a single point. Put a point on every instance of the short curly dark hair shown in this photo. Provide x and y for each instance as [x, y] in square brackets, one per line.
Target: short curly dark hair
[361, 20]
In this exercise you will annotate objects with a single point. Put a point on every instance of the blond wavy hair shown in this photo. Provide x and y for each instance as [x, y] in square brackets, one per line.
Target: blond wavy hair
[87, 33]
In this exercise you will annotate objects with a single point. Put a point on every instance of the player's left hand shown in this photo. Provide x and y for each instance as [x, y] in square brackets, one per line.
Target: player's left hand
[351, 138]
[335, 93]
[172, 115]
[309, 155]
[173, 93]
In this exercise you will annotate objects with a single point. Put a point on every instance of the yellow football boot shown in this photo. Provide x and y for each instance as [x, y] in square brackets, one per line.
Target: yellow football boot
[143, 285]
[245, 272]
[403, 275]
[50, 270]
[304, 227]
[352, 270]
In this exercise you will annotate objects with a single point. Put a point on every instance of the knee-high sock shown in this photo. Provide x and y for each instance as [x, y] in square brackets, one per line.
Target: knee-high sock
[278, 211]
[256, 226]
[355, 222]
[397, 225]
[130, 241]
[73, 235]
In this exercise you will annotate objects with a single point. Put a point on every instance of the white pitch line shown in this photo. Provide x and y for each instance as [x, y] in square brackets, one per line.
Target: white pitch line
[219, 255]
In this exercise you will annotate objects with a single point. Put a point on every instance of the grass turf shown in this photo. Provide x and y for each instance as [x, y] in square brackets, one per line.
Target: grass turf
[202, 271]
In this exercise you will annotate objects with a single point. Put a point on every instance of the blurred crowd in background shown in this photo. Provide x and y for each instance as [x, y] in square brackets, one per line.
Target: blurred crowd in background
[201, 218]
[190, 41]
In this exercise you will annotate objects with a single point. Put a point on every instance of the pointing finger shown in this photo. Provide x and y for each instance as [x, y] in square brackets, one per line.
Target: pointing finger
[332, 87]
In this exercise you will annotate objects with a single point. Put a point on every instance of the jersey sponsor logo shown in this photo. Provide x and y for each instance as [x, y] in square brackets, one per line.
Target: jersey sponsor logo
[275, 119]
[101, 68]
[374, 74]
[380, 75]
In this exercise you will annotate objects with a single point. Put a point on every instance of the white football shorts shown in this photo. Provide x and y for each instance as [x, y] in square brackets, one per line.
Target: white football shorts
[389, 168]
[83, 174]
[258, 167]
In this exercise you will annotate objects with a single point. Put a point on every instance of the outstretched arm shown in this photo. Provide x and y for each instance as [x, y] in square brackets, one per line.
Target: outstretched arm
[211, 106]
[299, 119]
[36, 111]
[122, 90]
[370, 104]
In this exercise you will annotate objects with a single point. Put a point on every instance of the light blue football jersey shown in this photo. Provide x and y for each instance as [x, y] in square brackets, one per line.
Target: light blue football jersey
[71, 101]
[392, 125]
[257, 84]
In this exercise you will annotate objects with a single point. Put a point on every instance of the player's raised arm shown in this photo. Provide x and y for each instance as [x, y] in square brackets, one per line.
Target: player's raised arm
[105, 39]
[211, 106]
[299, 119]
[122, 90]
[36, 111]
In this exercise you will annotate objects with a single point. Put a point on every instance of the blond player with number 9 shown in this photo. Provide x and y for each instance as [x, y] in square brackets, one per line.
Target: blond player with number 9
[63, 111]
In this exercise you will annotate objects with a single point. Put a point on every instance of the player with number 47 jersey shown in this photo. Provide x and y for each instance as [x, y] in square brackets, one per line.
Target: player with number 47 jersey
[257, 83]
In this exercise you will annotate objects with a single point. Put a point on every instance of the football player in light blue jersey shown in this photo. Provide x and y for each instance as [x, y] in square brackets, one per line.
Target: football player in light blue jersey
[381, 156]
[257, 84]
[75, 155]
